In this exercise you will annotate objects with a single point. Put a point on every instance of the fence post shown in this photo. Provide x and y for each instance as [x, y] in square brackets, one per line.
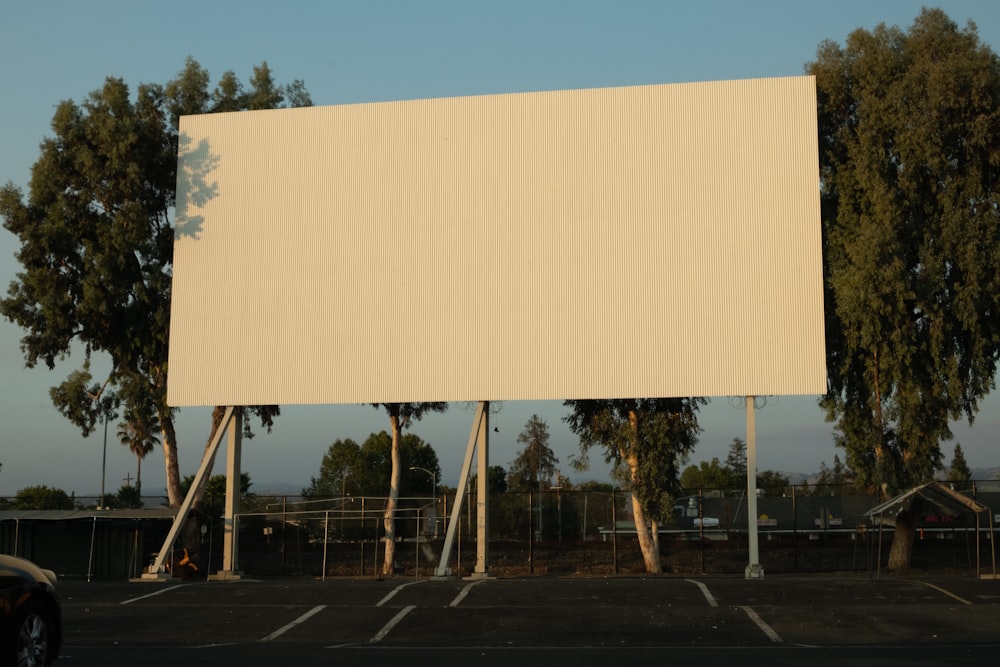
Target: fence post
[326, 541]
[795, 530]
[701, 526]
[531, 535]
[614, 529]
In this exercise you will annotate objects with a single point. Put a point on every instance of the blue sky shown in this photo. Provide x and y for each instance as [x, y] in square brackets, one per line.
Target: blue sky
[348, 52]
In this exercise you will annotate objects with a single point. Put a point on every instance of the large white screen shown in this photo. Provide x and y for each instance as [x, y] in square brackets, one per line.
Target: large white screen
[621, 242]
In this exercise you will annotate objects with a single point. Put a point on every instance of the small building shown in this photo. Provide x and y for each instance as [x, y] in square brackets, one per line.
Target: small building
[86, 544]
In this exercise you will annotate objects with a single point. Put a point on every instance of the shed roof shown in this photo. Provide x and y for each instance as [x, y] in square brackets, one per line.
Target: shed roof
[932, 494]
[70, 515]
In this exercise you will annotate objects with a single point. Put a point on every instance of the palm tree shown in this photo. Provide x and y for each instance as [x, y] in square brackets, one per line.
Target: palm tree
[138, 433]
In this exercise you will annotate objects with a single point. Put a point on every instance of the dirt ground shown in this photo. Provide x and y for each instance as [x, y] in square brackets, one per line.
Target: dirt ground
[509, 558]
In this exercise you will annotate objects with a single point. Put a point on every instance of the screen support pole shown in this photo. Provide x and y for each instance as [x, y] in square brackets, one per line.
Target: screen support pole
[478, 436]
[753, 570]
[157, 569]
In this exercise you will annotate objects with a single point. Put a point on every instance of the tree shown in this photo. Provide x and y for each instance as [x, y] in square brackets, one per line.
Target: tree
[349, 468]
[138, 433]
[128, 497]
[909, 167]
[736, 460]
[959, 470]
[647, 440]
[215, 492]
[42, 497]
[709, 475]
[496, 480]
[339, 464]
[833, 481]
[97, 242]
[401, 415]
[536, 462]
[772, 483]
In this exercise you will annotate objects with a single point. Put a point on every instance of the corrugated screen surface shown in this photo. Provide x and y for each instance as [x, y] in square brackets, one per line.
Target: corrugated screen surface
[623, 242]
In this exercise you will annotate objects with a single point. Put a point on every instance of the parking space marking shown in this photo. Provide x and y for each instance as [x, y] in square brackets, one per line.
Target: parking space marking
[149, 595]
[387, 628]
[396, 590]
[704, 591]
[301, 619]
[946, 592]
[765, 628]
[465, 591]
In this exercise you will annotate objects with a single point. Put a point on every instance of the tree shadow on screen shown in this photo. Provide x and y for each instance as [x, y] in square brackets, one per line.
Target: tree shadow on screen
[194, 163]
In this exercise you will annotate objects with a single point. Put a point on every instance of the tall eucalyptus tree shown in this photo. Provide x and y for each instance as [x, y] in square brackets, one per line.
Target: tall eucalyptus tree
[96, 234]
[909, 125]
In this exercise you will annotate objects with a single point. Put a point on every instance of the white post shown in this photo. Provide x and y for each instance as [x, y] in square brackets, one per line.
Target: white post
[156, 570]
[753, 570]
[482, 497]
[478, 424]
[230, 537]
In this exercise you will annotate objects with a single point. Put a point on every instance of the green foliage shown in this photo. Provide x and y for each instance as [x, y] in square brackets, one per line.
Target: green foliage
[496, 480]
[736, 459]
[771, 483]
[364, 470]
[594, 486]
[407, 413]
[959, 469]
[128, 497]
[710, 475]
[714, 475]
[214, 498]
[339, 461]
[97, 243]
[138, 433]
[910, 165]
[42, 497]
[534, 466]
[646, 439]
[833, 481]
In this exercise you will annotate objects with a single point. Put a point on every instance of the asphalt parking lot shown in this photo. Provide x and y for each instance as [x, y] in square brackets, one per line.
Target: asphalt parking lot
[780, 620]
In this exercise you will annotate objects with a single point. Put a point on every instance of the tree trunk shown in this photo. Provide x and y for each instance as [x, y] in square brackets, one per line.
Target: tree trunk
[901, 552]
[174, 495]
[390, 506]
[650, 555]
[648, 541]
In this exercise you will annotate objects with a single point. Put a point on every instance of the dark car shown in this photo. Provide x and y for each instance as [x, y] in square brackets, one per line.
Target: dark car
[30, 615]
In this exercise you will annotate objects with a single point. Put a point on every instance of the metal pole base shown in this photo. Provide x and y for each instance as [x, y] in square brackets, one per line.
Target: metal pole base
[754, 571]
[225, 575]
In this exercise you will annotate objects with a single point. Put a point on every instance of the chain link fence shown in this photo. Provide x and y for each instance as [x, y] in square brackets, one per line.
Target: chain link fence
[559, 531]
[800, 529]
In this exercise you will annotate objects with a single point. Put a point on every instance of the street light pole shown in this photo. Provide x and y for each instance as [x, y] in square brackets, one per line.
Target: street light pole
[104, 462]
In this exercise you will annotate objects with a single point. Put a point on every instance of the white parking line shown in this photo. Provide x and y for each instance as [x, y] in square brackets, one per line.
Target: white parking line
[396, 590]
[380, 635]
[767, 629]
[464, 592]
[948, 593]
[704, 591]
[159, 592]
[301, 619]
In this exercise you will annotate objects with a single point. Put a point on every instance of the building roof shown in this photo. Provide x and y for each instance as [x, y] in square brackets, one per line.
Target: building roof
[77, 514]
[930, 495]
